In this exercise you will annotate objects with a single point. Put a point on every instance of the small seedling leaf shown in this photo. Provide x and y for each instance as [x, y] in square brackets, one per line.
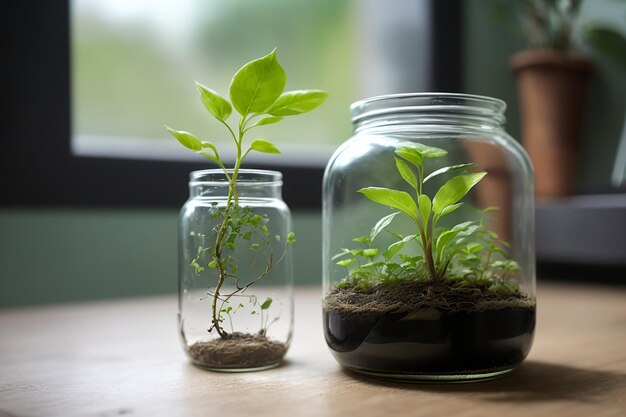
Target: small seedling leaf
[297, 102]
[381, 224]
[450, 169]
[266, 304]
[424, 207]
[188, 140]
[346, 262]
[264, 146]
[268, 120]
[216, 105]
[455, 189]
[400, 200]
[406, 172]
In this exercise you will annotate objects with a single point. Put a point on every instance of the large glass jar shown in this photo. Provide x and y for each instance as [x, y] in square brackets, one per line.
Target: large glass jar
[235, 270]
[428, 241]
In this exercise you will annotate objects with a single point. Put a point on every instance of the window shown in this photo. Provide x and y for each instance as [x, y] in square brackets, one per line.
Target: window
[92, 81]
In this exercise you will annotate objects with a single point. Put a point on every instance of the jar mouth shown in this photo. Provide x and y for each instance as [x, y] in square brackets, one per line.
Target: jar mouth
[449, 104]
[244, 177]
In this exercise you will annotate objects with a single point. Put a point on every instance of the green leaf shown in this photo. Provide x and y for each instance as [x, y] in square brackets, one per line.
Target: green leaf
[424, 151]
[291, 238]
[410, 155]
[362, 239]
[257, 85]
[406, 172]
[450, 209]
[297, 102]
[370, 253]
[450, 169]
[266, 304]
[393, 198]
[217, 105]
[264, 146]
[425, 207]
[397, 246]
[455, 189]
[381, 224]
[346, 262]
[188, 140]
[609, 42]
[268, 120]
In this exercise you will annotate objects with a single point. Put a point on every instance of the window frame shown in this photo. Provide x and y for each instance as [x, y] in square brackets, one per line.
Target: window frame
[37, 167]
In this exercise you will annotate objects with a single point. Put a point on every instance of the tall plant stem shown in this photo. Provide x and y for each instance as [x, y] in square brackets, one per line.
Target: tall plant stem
[232, 200]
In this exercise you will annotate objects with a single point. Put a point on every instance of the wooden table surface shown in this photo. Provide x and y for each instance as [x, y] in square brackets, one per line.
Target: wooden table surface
[124, 358]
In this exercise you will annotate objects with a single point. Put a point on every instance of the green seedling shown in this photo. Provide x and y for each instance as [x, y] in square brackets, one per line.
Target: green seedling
[257, 94]
[465, 255]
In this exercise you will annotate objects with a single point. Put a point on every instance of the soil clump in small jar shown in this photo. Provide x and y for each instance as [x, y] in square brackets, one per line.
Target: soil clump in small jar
[237, 351]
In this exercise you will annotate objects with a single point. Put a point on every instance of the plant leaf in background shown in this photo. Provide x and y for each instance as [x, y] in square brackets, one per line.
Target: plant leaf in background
[609, 42]
[217, 105]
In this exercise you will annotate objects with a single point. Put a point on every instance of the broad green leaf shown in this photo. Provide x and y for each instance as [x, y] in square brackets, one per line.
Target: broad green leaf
[266, 304]
[425, 207]
[188, 140]
[257, 85]
[296, 102]
[400, 200]
[265, 146]
[424, 150]
[268, 120]
[455, 189]
[450, 169]
[381, 224]
[217, 105]
[410, 155]
[406, 172]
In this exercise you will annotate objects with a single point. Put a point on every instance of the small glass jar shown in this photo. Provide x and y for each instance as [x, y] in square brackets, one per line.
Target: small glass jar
[428, 241]
[235, 271]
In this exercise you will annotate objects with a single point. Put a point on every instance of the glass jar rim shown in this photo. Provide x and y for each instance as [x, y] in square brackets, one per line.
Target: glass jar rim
[245, 176]
[428, 102]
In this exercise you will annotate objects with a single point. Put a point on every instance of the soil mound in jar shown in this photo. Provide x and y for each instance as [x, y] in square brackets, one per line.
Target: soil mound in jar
[238, 350]
[422, 328]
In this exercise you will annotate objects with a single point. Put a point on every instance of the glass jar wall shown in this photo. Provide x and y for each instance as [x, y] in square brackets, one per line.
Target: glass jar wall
[428, 241]
[235, 270]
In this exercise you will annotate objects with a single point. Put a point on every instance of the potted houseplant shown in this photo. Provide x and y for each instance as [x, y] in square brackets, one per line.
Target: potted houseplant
[552, 79]
[235, 272]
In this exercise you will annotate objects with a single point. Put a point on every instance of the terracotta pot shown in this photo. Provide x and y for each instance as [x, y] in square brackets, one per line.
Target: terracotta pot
[552, 88]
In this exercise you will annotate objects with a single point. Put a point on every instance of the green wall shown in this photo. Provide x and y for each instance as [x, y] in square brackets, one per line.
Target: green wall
[54, 255]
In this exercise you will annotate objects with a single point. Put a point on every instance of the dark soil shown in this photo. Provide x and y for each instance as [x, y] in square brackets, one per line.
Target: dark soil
[425, 329]
[238, 350]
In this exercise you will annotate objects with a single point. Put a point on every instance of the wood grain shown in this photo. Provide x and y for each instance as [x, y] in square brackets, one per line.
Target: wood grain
[124, 358]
